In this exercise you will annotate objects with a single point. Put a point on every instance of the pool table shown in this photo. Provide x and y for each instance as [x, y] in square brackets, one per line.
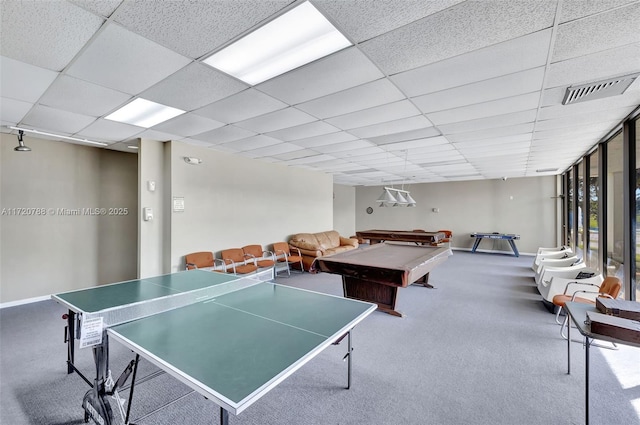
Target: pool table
[378, 236]
[375, 273]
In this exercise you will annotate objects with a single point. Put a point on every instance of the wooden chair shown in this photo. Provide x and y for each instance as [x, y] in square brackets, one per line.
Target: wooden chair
[282, 251]
[263, 259]
[203, 260]
[610, 288]
[237, 262]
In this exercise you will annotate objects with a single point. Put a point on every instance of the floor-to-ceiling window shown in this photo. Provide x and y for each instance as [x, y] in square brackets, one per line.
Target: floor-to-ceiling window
[593, 196]
[615, 207]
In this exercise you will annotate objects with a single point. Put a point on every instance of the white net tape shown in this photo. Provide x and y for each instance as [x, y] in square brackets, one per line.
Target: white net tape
[126, 313]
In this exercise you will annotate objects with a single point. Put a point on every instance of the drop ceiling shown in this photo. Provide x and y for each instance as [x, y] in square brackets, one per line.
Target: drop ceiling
[430, 91]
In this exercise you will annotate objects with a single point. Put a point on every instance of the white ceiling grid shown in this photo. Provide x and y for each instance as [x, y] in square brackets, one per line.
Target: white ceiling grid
[464, 90]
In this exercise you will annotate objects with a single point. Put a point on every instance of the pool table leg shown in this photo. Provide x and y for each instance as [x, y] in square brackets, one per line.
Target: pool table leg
[383, 295]
[424, 280]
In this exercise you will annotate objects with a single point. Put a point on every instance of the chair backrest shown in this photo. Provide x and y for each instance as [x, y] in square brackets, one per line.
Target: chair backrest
[234, 254]
[199, 259]
[279, 247]
[253, 250]
[610, 286]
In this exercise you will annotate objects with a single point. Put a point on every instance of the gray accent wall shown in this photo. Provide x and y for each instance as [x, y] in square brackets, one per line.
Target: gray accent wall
[52, 237]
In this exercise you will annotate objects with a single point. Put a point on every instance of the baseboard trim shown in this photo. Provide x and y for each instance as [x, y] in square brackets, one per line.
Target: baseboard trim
[24, 301]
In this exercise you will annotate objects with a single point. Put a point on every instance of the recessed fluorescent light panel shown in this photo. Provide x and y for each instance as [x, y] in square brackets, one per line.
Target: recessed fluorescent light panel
[295, 38]
[144, 113]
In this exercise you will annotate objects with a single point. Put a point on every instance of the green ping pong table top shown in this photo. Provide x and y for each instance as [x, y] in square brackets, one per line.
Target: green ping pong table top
[103, 297]
[236, 347]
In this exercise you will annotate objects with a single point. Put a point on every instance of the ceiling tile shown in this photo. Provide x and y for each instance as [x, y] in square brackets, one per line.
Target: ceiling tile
[228, 133]
[272, 150]
[398, 126]
[365, 96]
[326, 139]
[487, 143]
[114, 131]
[629, 99]
[497, 121]
[254, 142]
[187, 125]
[491, 133]
[585, 118]
[574, 9]
[22, 81]
[194, 28]
[422, 133]
[304, 131]
[193, 87]
[311, 159]
[345, 146]
[496, 88]
[241, 106]
[12, 111]
[516, 55]
[432, 145]
[55, 120]
[594, 67]
[124, 61]
[456, 31]
[363, 19]
[487, 109]
[376, 115]
[87, 99]
[301, 153]
[342, 70]
[277, 120]
[47, 34]
[103, 7]
[598, 32]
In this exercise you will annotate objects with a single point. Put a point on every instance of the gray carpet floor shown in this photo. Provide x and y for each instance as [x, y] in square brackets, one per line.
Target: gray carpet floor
[480, 348]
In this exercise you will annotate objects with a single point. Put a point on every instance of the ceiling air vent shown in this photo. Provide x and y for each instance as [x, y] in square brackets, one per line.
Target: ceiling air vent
[605, 88]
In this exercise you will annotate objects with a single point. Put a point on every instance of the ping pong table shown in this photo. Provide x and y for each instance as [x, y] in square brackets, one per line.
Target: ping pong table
[228, 338]
[509, 237]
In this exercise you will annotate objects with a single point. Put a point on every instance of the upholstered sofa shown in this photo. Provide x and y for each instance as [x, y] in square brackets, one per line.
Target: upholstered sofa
[314, 245]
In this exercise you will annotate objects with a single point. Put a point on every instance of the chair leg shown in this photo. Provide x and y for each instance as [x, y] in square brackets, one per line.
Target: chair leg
[565, 323]
[558, 316]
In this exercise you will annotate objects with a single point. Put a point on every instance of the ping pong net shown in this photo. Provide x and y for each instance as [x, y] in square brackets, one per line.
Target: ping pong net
[134, 311]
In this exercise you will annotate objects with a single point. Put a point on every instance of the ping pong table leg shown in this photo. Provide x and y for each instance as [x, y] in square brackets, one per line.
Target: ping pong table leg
[224, 416]
[586, 379]
[475, 244]
[513, 247]
[71, 336]
[349, 352]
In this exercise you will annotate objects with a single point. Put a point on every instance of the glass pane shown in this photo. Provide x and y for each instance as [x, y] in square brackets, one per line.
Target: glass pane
[580, 248]
[615, 208]
[570, 203]
[637, 252]
[591, 257]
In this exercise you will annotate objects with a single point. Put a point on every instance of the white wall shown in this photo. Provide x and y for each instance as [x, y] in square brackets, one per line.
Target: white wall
[231, 201]
[54, 245]
[520, 205]
[150, 235]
